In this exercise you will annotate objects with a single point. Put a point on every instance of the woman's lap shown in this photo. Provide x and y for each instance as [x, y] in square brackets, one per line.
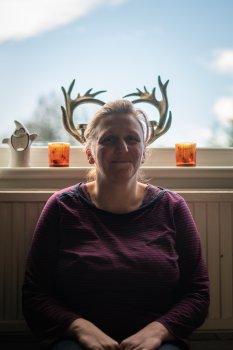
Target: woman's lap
[66, 345]
[73, 345]
[170, 346]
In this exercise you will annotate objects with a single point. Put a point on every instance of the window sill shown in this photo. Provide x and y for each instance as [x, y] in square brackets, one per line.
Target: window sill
[198, 177]
[214, 170]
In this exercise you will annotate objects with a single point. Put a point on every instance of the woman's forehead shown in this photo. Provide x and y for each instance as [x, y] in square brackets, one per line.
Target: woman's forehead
[119, 120]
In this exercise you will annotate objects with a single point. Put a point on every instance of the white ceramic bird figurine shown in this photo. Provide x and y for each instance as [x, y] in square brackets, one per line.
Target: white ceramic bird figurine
[19, 143]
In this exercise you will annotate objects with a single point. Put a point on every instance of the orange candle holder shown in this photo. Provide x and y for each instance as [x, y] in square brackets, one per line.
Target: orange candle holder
[59, 154]
[186, 154]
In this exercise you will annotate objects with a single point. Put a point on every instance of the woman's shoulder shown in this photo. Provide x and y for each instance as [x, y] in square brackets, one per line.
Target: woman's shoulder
[63, 194]
[167, 194]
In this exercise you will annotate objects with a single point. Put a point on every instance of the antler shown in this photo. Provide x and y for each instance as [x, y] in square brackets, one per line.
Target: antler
[161, 127]
[71, 104]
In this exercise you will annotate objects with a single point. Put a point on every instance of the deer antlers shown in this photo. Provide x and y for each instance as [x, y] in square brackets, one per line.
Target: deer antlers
[71, 104]
[157, 129]
[161, 127]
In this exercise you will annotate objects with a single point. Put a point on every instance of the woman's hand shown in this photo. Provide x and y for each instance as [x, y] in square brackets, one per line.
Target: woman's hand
[148, 338]
[90, 336]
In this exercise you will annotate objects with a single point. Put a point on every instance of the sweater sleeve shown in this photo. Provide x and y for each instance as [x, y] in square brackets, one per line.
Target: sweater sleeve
[192, 295]
[47, 318]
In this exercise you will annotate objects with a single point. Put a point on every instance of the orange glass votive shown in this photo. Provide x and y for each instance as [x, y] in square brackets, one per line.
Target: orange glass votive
[59, 154]
[186, 154]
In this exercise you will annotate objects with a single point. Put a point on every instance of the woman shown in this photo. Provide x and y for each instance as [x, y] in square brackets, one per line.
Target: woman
[115, 263]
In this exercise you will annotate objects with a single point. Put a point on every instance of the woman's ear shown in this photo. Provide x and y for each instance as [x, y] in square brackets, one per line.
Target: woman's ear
[143, 156]
[90, 159]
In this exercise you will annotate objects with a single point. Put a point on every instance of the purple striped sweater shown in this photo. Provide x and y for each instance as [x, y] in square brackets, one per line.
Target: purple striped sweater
[120, 271]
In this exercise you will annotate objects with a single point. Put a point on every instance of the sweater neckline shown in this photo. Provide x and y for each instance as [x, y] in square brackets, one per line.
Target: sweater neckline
[152, 194]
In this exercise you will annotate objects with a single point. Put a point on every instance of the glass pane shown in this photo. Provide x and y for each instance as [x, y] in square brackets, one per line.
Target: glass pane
[118, 46]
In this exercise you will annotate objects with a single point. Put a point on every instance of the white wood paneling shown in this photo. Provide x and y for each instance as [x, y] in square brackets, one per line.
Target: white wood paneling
[213, 214]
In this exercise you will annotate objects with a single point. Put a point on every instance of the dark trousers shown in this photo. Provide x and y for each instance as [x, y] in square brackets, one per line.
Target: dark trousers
[73, 345]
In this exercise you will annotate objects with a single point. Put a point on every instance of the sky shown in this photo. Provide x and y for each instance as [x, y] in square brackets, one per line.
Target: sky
[119, 46]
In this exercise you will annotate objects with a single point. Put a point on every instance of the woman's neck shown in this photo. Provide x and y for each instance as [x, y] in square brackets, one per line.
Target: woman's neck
[117, 197]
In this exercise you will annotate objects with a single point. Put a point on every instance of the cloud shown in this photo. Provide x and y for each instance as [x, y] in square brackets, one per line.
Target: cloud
[200, 135]
[223, 61]
[21, 19]
[223, 109]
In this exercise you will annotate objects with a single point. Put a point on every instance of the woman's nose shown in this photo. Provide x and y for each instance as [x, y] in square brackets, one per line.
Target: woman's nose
[122, 146]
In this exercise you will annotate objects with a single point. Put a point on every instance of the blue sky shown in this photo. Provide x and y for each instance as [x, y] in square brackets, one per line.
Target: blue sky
[118, 46]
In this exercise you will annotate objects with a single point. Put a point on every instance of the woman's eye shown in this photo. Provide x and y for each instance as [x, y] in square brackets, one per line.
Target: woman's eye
[111, 139]
[108, 139]
[132, 139]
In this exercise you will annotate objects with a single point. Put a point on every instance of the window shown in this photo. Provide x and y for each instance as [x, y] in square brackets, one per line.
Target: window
[116, 46]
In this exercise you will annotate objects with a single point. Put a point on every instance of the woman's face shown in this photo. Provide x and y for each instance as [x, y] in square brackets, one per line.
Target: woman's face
[119, 147]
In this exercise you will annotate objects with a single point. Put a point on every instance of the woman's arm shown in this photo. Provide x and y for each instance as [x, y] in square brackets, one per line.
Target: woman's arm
[45, 315]
[192, 295]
